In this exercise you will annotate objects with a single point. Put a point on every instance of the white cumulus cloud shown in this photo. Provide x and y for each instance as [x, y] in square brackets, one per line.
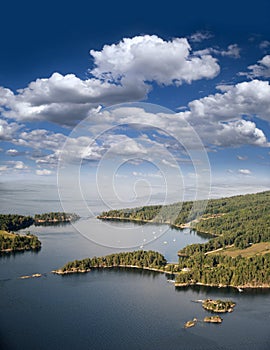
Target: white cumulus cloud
[41, 139]
[65, 99]
[43, 172]
[150, 58]
[12, 152]
[8, 130]
[259, 70]
[122, 72]
[13, 166]
[244, 171]
[19, 165]
[247, 98]
[203, 119]
[232, 51]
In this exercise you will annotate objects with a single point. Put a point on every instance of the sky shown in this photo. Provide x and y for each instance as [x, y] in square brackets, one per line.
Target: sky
[135, 102]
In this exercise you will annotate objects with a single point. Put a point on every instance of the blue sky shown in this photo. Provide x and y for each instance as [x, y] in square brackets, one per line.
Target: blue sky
[206, 64]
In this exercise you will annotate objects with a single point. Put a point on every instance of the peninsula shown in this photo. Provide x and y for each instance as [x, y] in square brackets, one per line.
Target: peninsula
[219, 216]
[11, 242]
[141, 259]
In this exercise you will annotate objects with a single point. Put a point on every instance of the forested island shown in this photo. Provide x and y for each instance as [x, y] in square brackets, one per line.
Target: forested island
[15, 222]
[10, 241]
[218, 305]
[238, 255]
[54, 218]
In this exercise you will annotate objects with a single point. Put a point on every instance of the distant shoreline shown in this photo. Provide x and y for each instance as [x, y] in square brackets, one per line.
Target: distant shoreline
[118, 218]
[113, 218]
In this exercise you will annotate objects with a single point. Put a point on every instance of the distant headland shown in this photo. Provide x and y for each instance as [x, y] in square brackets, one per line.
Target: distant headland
[9, 223]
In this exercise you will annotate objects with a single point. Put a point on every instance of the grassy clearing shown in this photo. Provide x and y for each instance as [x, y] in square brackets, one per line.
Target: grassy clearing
[6, 234]
[254, 249]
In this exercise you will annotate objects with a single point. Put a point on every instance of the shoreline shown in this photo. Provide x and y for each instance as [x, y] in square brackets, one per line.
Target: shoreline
[176, 285]
[114, 218]
[67, 272]
[200, 284]
[181, 226]
[11, 250]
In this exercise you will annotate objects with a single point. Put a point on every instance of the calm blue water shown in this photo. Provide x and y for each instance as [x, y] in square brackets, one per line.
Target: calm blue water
[116, 309]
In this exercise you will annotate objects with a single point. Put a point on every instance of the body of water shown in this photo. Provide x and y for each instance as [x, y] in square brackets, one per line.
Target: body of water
[116, 309]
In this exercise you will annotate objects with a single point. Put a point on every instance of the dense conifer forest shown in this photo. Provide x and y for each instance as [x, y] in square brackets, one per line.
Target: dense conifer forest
[14, 222]
[140, 258]
[15, 242]
[55, 217]
[230, 214]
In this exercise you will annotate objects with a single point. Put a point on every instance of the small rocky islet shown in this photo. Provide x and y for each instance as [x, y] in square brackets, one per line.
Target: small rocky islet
[34, 275]
[213, 319]
[217, 306]
[191, 323]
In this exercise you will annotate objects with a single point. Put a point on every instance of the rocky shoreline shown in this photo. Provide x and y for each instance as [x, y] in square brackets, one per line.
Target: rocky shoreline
[240, 287]
[66, 272]
[177, 285]
[112, 218]
[213, 319]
